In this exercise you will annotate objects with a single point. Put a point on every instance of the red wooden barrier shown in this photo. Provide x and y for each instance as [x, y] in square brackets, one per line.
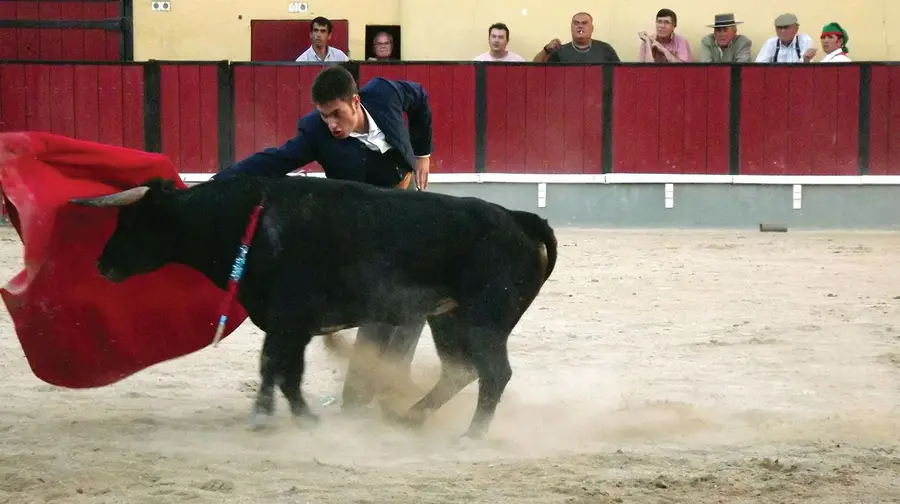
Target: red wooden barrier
[103, 102]
[884, 125]
[672, 119]
[794, 120]
[268, 102]
[59, 44]
[544, 119]
[451, 94]
[190, 115]
[800, 120]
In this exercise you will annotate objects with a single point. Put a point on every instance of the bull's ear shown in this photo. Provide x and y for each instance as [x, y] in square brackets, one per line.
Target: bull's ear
[118, 199]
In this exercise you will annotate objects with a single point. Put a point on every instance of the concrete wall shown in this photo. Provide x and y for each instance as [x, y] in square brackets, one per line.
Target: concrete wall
[438, 29]
[697, 205]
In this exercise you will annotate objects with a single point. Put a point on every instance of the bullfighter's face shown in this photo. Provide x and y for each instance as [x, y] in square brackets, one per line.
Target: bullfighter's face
[342, 116]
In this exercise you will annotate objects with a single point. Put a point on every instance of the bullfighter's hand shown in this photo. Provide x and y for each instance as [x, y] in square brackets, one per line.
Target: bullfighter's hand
[422, 167]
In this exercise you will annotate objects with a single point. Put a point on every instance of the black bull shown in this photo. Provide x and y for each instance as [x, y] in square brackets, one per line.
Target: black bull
[329, 255]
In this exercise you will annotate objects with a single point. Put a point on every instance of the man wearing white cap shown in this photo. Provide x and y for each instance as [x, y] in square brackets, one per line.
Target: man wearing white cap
[787, 46]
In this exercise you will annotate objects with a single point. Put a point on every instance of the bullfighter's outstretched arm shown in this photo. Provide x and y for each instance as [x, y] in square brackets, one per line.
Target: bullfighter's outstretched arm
[276, 161]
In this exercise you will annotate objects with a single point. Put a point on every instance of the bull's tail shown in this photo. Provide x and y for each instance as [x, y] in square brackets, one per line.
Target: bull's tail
[538, 228]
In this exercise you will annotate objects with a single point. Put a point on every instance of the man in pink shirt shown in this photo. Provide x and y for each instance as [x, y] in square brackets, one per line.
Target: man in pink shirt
[498, 38]
[665, 46]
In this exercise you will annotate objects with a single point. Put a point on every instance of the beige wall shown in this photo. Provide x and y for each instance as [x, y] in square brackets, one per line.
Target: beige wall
[440, 29]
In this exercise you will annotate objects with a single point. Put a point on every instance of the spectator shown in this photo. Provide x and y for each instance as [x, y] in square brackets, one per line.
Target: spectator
[724, 45]
[498, 38]
[665, 46]
[382, 46]
[582, 49]
[319, 49]
[787, 46]
[834, 42]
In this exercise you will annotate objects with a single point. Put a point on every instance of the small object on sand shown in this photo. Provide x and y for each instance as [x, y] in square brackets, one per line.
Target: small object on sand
[772, 228]
[329, 400]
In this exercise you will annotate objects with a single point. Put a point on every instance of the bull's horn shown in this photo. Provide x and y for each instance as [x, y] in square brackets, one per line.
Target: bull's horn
[123, 198]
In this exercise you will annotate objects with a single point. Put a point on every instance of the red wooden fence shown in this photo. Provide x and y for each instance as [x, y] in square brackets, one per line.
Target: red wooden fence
[884, 121]
[800, 120]
[544, 119]
[97, 102]
[59, 44]
[536, 119]
[671, 119]
[268, 102]
[189, 116]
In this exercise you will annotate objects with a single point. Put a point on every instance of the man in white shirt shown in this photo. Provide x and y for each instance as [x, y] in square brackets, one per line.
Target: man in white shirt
[834, 43]
[319, 51]
[498, 38]
[787, 46]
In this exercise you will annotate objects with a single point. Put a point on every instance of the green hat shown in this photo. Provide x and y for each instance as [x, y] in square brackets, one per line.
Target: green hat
[833, 28]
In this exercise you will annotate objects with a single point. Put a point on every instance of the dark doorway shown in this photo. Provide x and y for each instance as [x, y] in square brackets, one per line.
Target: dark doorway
[392, 30]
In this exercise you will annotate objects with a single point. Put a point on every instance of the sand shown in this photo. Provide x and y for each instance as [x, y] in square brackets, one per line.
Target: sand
[656, 366]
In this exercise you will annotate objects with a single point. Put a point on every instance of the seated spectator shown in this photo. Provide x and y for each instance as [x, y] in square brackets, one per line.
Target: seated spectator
[319, 50]
[498, 38]
[582, 48]
[724, 45]
[787, 46]
[664, 46]
[834, 42]
[382, 46]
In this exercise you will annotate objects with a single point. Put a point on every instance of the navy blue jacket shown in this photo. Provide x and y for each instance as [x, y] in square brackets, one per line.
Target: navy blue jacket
[386, 101]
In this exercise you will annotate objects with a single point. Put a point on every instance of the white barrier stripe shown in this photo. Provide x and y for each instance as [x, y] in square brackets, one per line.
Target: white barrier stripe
[628, 178]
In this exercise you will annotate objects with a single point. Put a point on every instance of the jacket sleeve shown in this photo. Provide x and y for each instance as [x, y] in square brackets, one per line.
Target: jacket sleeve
[414, 100]
[276, 161]
[743, 51]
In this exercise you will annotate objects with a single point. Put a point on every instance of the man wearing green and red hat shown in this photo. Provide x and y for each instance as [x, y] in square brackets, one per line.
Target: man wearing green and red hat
[834, 42]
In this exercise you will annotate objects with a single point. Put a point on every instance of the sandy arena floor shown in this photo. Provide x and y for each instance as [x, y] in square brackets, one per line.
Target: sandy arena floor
[695, 367]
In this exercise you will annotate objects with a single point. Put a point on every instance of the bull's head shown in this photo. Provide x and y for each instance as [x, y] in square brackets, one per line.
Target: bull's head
[140, 242]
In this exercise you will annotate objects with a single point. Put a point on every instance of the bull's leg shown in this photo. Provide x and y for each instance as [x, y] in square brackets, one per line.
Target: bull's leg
[292, 365]
[359, 386]
[491, 359]
[281, 363]
[456, 370]
[402, 345]
[264, 406]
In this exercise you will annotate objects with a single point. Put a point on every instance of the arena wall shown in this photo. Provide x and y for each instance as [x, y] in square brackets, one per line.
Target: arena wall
[611, 145]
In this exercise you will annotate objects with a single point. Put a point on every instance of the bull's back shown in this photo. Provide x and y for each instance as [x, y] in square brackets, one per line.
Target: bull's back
[344, 223]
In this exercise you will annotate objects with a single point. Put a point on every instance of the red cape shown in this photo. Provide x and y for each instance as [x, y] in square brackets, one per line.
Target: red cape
[77, 329]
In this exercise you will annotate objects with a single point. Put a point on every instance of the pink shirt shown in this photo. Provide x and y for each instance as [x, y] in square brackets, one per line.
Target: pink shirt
[677, 45]
[510, 56]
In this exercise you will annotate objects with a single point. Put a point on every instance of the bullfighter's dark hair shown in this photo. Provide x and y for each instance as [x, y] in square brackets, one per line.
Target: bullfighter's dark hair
[333, 83]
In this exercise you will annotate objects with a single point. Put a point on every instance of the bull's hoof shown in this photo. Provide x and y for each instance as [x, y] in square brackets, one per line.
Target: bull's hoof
[412, 419]
[306, 419]
[259, 421]
[470, 437]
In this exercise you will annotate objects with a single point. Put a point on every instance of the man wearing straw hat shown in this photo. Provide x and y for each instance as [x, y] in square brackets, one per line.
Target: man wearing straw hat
[834, 42]
[724, 45]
